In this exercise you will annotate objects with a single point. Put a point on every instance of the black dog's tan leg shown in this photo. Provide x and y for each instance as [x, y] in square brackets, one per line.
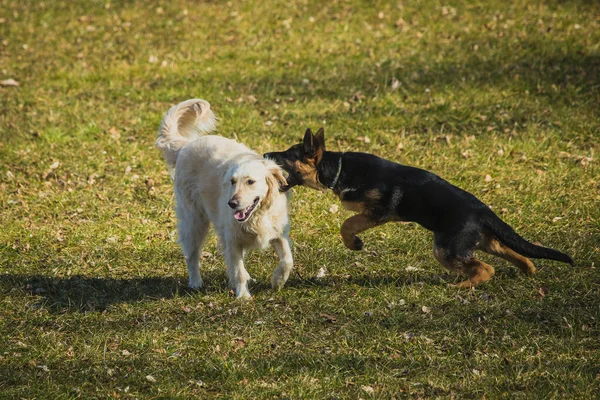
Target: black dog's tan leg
[477, 271]
[492, 246]
[353, 226]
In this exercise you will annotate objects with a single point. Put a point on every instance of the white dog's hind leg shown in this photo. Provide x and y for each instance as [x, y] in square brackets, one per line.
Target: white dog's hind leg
[286, 262]
[237, 274]
[193, 229]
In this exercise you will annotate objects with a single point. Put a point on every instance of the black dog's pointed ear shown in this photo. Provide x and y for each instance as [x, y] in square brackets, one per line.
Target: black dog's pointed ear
[320, 139]
[309, 142]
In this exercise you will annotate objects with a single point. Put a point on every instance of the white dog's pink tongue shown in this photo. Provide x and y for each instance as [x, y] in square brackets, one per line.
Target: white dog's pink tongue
[239, 215]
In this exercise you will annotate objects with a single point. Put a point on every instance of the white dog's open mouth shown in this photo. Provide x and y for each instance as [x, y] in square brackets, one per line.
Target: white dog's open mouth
[242, 215]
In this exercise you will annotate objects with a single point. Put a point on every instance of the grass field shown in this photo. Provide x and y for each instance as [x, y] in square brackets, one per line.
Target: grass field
[499, 97]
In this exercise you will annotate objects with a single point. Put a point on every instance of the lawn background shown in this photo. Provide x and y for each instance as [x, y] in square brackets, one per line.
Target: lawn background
[499, 97]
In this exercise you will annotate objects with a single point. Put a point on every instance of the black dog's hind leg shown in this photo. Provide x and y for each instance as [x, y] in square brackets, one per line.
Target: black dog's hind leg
[455, 252]
[493, 246]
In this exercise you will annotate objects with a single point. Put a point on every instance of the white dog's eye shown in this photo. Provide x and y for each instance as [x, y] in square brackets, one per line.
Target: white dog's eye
[233, 181]
[250, 182]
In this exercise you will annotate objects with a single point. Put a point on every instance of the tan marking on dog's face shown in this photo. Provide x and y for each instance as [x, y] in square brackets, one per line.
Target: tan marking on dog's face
[301, 160]
[307, 171]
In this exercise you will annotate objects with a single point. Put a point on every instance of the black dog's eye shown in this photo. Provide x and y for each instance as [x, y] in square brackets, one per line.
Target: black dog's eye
[250, 182]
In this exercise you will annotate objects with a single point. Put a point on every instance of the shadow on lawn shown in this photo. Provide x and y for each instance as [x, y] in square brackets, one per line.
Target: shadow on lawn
[84, 294]
[87, 294]
[538, 70]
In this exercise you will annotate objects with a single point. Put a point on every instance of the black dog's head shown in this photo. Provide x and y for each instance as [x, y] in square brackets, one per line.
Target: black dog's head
[302, 160]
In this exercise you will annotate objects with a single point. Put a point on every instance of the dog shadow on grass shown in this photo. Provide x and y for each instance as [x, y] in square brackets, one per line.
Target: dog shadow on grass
[95, 294]
[84, 294]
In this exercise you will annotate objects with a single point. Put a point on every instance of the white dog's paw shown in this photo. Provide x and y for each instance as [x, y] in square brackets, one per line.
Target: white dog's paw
[242, 293]
[196, 283]
[278, 279]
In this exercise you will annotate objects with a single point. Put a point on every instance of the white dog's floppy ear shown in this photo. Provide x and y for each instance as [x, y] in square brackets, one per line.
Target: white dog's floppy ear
[277, 173]
[275, 180]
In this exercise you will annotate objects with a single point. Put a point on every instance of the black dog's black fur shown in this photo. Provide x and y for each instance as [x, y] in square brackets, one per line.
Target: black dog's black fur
[382, 191]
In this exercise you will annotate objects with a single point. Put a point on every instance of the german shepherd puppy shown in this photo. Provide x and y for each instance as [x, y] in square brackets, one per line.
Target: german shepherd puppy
[381, 191]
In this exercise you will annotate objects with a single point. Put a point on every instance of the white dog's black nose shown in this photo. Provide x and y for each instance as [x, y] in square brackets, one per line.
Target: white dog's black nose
[233, 203]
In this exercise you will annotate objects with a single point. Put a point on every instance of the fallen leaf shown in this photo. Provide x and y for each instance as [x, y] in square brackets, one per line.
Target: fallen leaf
[238, 343]
[321, 273]
[425, 309]
[54, 165]
[488, 178]
[543, 291]
[334, 208]
[9, 82]
[368, 389]
[114, 133]
[149, 183]
[329, 318]
[395, 84]
[150, 378]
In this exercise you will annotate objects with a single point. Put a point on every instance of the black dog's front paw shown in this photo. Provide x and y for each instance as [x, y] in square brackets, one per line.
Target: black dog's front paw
[354, 243]
[358, 243]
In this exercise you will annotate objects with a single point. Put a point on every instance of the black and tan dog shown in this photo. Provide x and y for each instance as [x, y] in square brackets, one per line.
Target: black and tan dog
[381, 191]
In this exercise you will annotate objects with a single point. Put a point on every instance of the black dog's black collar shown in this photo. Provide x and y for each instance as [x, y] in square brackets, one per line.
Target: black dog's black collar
[337, 175]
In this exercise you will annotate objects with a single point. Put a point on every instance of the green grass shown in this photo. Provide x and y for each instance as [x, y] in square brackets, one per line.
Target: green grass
[93, 285]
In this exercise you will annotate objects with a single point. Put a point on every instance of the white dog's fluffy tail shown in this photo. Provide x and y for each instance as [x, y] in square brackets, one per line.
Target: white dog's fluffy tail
[183, 123]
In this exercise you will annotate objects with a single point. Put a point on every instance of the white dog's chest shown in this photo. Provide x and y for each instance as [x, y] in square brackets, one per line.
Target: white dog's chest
[259, 235]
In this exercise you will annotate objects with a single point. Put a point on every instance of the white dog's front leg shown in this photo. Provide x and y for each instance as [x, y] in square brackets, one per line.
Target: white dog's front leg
[286, 262]
[237, 274]
[193, 266]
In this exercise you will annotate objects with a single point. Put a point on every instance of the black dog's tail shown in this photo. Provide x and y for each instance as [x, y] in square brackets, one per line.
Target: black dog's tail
[505, 234]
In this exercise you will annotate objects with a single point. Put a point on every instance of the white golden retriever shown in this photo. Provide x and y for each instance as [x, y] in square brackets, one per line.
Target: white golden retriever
[223, 182]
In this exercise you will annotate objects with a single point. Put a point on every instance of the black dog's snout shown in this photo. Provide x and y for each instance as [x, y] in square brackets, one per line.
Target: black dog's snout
[233, 203]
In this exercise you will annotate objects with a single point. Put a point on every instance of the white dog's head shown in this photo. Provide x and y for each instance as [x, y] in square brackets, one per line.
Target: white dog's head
[253, 184]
